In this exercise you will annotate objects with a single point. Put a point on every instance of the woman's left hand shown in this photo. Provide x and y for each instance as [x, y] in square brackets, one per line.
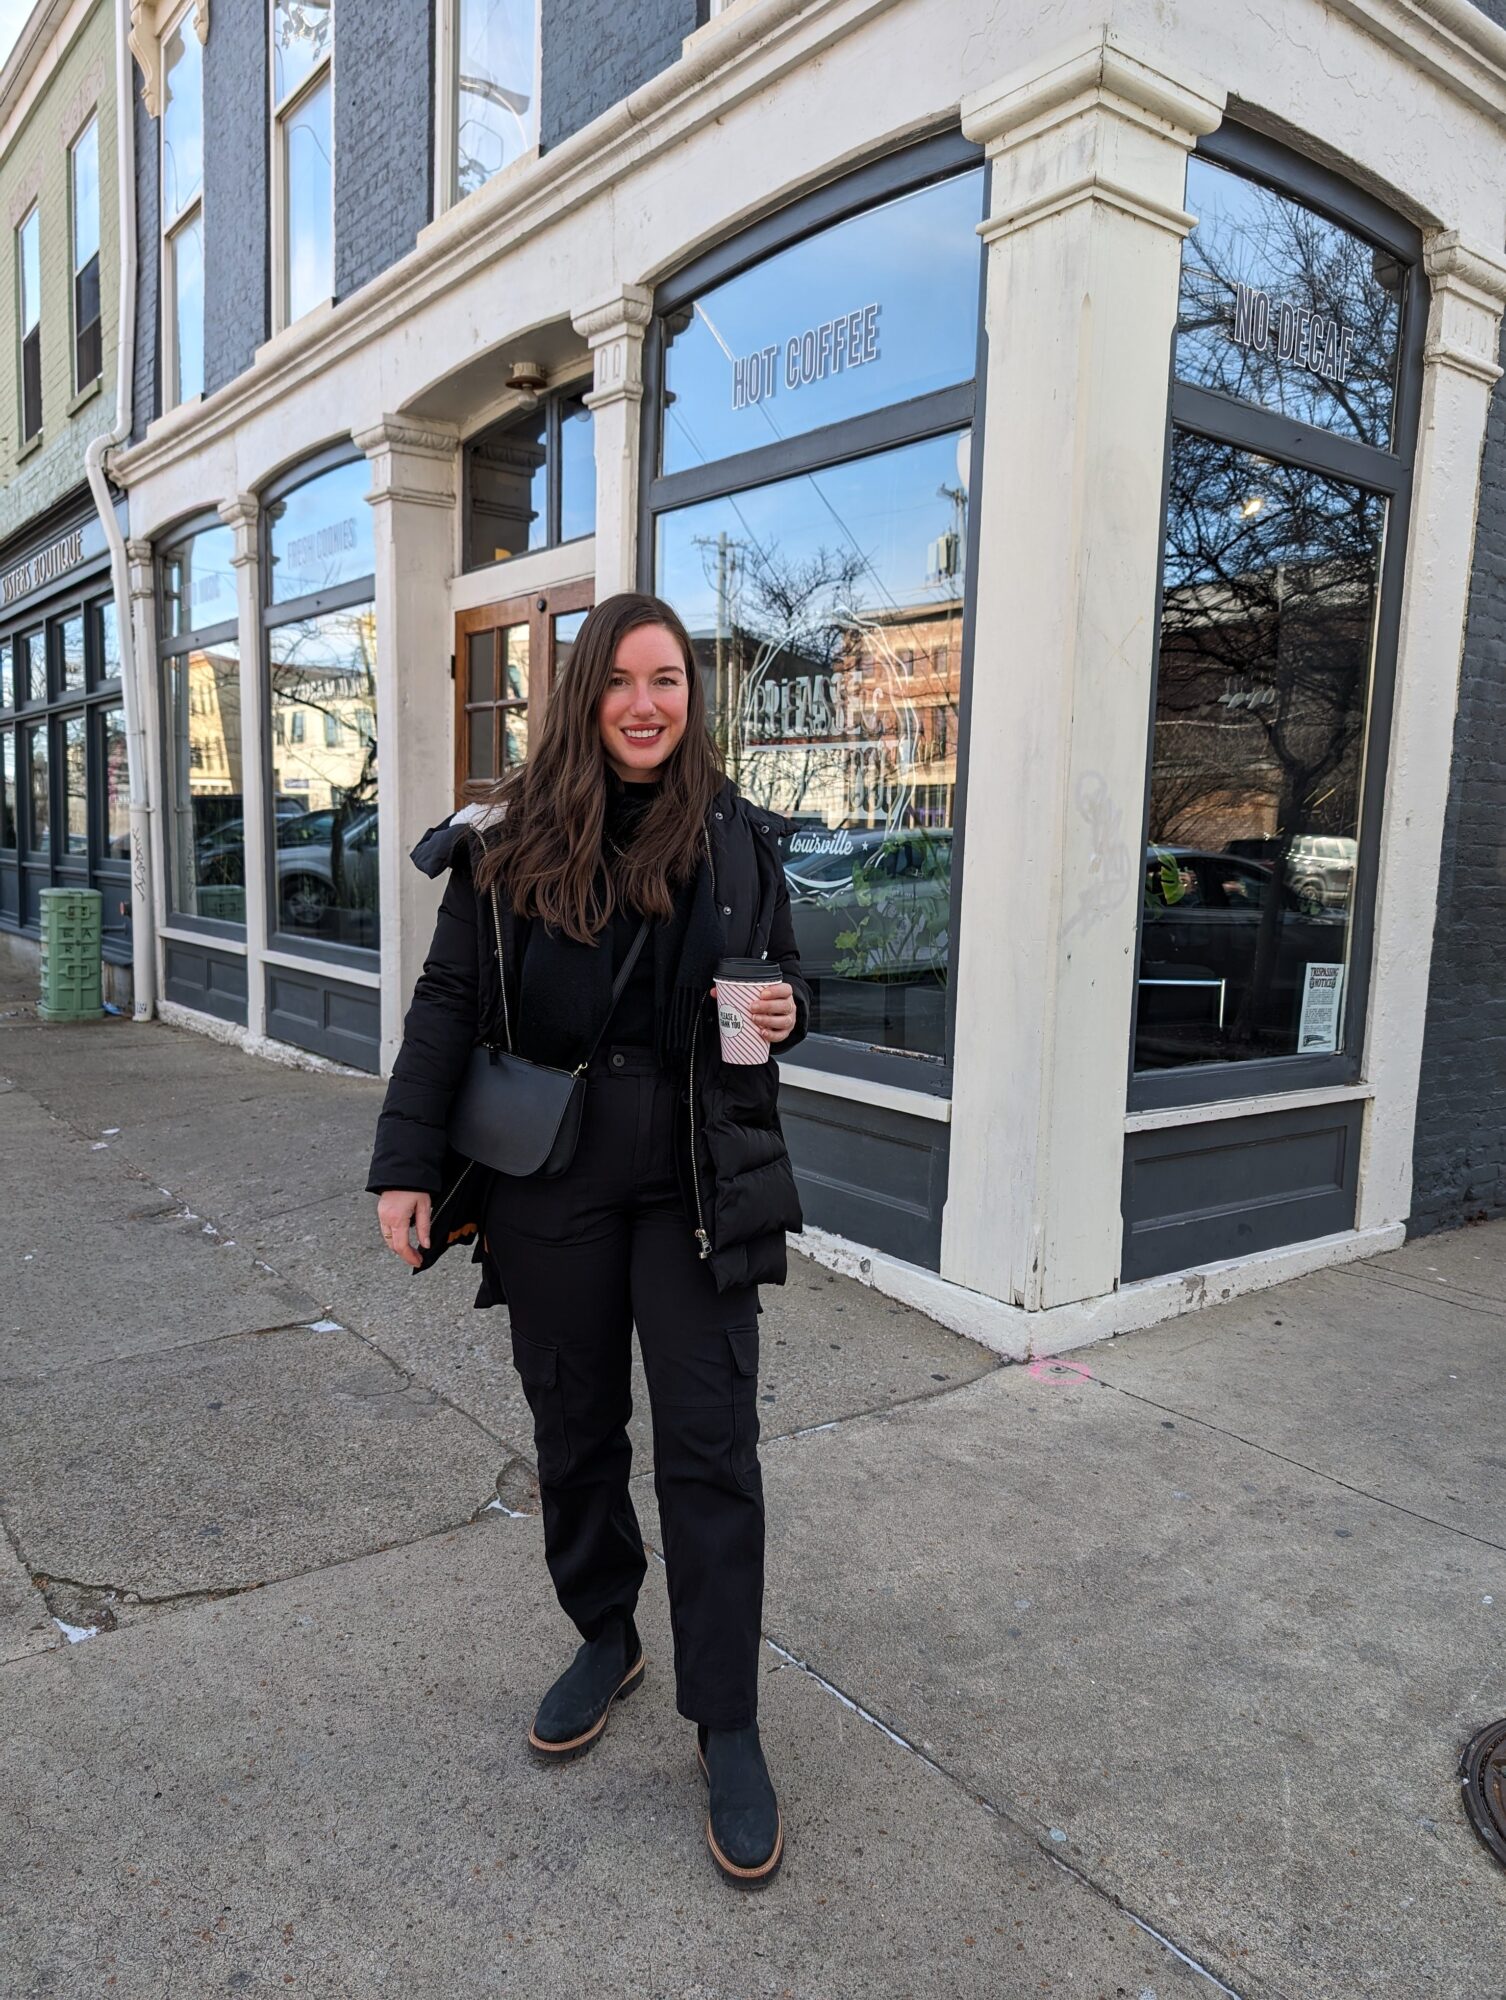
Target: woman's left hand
[773, 1011]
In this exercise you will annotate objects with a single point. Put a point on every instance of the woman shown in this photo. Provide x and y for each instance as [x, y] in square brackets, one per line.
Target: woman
[674, 1207]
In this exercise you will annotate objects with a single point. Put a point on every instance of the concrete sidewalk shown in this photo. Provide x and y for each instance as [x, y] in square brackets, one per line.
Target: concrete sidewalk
[1141, 1674]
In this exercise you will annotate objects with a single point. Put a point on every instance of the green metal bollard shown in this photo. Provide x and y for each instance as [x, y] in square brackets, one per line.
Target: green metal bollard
[71, 925]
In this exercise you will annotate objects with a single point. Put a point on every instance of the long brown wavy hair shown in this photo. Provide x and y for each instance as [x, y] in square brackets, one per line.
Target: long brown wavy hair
[546, 853]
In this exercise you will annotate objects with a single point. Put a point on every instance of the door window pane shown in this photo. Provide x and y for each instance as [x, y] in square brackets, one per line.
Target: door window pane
[1284, 308]
[198, 586]
[826, 613]
[872, 311]
[326, 859]
[1271, 582]
[320, 534]
[117, 783]
[496, 118]
[577, 470]
[186, 249]
[309, 184]
[567, 626]
[71, 652]
[40, 820]
[75, 783]
[206, 836]
[7, 787]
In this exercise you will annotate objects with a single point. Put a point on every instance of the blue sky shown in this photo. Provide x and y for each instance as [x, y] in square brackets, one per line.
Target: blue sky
[13, 15]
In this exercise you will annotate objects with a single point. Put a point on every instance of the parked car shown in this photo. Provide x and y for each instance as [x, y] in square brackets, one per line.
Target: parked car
[870, 903]
[1320, 869]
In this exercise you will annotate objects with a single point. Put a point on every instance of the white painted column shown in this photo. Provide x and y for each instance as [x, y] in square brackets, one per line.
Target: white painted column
[614, 327]
[148, 860]
[242, 515]
[1084, 238]
[1460, 370]
[413, 488]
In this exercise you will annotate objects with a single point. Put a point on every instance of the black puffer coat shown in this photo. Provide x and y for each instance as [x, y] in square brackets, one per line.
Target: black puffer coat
[735, 1176]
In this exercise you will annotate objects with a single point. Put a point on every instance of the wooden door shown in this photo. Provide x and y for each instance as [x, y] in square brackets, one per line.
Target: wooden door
[507, 656]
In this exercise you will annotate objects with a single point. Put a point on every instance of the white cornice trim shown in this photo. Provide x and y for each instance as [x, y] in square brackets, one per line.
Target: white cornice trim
[40, 47]
[1452, 40]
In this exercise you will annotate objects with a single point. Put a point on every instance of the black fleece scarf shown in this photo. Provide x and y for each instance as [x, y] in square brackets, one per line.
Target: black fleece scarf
[565, 993]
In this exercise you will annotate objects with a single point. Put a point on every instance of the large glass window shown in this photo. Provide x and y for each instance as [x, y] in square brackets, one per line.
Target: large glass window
[1262, 798]
[493, 102]
[321, 658]
[303, 126]
[876, 310]
[74, 761]
[530, 481]
[183, 212]
[117, 783]
[88, 352]
[201, 702]
[7, 679]
[7, 788]
[824, 585]
[39, 768]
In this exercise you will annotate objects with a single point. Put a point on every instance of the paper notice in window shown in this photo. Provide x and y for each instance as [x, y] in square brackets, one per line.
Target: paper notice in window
[1318, 1031]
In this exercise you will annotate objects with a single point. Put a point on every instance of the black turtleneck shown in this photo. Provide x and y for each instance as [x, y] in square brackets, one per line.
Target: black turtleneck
[632, 1022]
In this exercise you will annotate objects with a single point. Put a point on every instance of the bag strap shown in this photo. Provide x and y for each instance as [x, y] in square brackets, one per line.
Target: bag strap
[623, 975]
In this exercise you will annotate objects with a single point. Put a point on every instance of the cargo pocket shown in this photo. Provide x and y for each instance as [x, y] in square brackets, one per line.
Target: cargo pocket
[745, 1468]
[538, 1367]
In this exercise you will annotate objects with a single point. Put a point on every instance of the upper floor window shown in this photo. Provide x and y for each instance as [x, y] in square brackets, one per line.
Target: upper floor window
[530, 480]
[88, 350]
[302, 156]
[183, 212]
[493, 94]
[29, 289]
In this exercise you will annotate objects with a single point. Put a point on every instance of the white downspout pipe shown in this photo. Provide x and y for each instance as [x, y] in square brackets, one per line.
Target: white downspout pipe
[143, 940]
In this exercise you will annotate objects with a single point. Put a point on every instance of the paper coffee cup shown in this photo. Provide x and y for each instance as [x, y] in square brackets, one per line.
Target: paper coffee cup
[738, 981]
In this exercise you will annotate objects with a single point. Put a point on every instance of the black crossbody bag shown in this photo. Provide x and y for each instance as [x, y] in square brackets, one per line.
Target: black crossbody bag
[522, 1117]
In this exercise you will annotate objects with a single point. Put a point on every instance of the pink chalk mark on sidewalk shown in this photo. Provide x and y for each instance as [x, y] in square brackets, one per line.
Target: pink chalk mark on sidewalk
[1061, 1374]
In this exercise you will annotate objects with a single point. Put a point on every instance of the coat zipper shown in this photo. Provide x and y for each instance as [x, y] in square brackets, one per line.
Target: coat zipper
[434, 1214]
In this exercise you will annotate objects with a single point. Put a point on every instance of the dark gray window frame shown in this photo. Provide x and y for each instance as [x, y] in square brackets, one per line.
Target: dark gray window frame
[169, 649]
[552, 399]
[1228, 420]
[313, 951]
[935, 158]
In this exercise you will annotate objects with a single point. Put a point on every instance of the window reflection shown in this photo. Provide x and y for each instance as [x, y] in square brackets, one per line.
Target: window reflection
[207, 832]
[324, 776]
[826, 612]
[7, 787]
[1267, 632]
[117, 784]
[320, 535]
[868, 312]
[1286, 309]
[496, 117]
[198, 589]
[75, 784]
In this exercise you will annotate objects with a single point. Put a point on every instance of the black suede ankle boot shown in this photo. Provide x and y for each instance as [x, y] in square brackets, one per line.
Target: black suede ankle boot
[573, 1714]
[744, 1828]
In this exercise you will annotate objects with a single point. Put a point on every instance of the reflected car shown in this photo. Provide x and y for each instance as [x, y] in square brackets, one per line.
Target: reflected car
[1202, 916]
[1320, 868]
[870, 904]
[324, 884]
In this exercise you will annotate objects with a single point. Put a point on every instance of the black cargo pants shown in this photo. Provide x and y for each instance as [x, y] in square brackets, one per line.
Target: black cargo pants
[583, 1258]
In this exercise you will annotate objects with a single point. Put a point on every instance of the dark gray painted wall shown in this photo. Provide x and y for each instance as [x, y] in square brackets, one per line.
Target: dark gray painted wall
[593, 52]
[237, 310]
[148, 266]
[1459, 1167]
[1496, 9]
[383, 151]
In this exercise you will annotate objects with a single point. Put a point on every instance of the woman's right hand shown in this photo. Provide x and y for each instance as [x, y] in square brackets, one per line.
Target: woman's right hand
[399, 1211]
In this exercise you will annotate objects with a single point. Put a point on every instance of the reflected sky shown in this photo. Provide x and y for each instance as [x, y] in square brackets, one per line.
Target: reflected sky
[321, 533]
[914, 259]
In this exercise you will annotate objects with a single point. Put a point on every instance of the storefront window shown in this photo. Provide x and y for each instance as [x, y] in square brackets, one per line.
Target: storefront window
[117, 783]
[198, 588]
[71, 649]
[325, 793]
[1284, 308]
[75, 765]
[108, 634]
[31, 667]
[206, 839]
[7, 683]
[319, 535]
[41, 794]
[1263, 788]
[826, 612]
[875, 310]
[7, 788]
